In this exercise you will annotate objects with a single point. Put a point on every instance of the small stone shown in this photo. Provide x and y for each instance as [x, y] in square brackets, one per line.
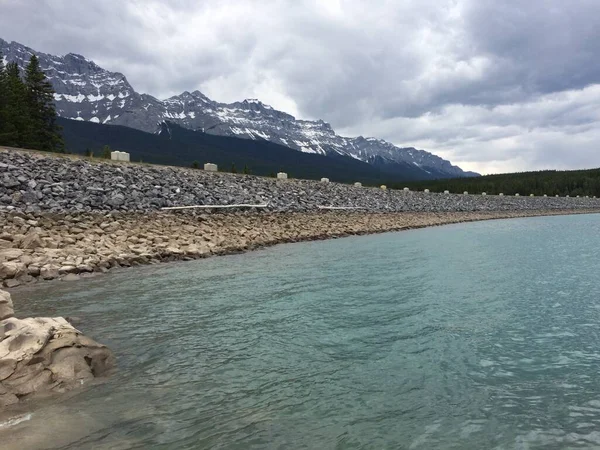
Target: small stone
[66, 269]
[32, 241]
[11, 269]
[71, 277]
[49, 272]
[11, 283]
[11, 254]
[5, 244]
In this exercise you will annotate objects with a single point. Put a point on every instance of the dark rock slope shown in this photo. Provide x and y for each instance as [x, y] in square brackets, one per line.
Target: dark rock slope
[32, 182]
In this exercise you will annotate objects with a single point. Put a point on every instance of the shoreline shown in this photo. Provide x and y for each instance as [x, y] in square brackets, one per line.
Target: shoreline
[49, 247]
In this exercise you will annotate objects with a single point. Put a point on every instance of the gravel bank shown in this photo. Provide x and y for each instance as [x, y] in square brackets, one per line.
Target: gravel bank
[34, 183]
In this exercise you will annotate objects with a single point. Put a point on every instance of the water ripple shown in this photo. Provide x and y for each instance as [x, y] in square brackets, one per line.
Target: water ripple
[465, 336]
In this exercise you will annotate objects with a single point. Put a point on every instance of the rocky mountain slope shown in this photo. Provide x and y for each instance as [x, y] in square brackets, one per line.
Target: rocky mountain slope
[87, 92]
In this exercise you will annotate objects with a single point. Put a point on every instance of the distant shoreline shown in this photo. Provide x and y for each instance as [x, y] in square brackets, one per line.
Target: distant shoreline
[71, 247]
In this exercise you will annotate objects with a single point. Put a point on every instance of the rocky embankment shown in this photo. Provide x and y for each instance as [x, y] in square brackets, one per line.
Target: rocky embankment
[45, 355]
[64, 217]
[34, 183]
[68, 247]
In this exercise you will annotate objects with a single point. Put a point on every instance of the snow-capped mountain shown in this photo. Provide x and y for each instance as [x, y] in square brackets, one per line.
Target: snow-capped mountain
[85, 91]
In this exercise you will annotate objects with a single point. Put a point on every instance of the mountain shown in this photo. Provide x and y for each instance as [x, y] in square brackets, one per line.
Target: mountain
[87, 92]
[175, 145]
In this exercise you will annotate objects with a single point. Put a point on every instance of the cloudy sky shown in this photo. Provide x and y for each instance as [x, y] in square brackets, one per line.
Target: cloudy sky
[492, 85]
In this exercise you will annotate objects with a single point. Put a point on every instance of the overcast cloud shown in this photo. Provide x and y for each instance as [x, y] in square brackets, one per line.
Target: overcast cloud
[492, 85]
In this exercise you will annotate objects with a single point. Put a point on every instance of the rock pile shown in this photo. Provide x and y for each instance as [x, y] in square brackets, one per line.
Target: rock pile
[31, 182]
[47, 246]
[45, 355]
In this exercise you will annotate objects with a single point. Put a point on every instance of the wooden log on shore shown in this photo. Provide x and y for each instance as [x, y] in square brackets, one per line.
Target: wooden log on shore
[243, 205]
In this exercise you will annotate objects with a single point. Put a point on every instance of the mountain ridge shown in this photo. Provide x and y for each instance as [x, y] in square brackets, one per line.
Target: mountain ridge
[87, 92]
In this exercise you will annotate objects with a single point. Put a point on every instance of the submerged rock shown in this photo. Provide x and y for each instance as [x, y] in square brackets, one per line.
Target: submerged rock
[45, 355]
[6, 308]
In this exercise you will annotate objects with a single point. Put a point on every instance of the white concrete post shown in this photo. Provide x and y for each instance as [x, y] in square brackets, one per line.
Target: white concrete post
[501, 194]
[119, 156]
[446, 192]
[517, 195]
[483, 193]
[357, 184]
[406, 189]
[426, 191]
[324, 180]
[465, 193]
[383, 187]
[282, 176]
[210, 167]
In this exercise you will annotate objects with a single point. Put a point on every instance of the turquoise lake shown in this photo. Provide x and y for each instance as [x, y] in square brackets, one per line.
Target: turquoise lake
[470, 336]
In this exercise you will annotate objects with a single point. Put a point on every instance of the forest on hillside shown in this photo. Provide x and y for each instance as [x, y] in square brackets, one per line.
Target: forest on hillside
[550, 182]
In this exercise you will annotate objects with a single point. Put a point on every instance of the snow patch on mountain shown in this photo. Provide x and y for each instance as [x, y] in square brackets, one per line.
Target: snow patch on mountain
[85, 91]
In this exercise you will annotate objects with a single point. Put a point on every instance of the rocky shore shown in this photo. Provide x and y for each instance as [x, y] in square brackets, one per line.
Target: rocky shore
[35, 247]
[64, 217]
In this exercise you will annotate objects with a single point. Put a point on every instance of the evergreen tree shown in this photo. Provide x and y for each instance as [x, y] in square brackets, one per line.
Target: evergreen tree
[3, 98]
[233, 169]
[41, 133]
[106, 151]
[246, 170]
[14, 112]
[195, 165]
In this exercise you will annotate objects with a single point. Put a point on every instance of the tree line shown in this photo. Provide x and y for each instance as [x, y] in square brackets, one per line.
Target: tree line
[27, 112]
[550, 182]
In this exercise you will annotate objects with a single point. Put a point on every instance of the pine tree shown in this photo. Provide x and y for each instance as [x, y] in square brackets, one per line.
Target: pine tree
[15, 117]
[42, 133]
[3, 99]
[106, 151]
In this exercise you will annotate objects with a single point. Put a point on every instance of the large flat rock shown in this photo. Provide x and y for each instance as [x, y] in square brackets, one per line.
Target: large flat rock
[44, 354]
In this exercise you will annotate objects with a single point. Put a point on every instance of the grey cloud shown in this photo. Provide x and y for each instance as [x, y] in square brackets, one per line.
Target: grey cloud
[487, 83]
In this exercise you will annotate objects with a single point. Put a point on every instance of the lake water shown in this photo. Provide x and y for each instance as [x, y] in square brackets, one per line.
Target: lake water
[468, 336]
